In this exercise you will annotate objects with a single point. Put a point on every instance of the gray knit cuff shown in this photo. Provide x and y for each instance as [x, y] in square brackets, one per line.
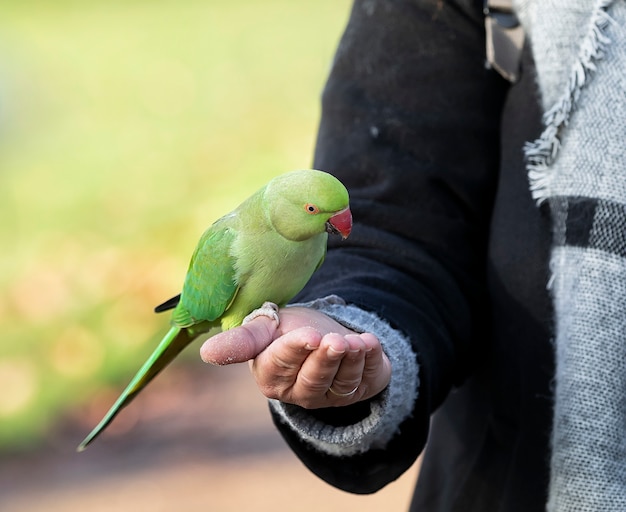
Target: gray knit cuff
[388, 410]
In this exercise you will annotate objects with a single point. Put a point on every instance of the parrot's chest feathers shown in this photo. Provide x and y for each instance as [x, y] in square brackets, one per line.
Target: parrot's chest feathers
[271, 268]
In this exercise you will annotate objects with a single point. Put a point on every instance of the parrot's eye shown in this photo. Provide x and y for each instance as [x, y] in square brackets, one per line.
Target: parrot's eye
[311, 208]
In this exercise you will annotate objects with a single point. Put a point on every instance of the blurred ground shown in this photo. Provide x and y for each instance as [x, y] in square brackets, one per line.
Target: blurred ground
[197, 439]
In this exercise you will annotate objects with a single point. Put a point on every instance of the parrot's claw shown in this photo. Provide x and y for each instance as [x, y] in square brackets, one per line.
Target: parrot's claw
[268, 309]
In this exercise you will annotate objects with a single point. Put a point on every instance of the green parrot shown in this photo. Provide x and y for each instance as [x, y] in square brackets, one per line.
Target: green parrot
[247, 263]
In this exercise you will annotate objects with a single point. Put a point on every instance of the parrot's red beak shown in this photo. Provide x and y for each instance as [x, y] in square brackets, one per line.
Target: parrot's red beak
[340, 223]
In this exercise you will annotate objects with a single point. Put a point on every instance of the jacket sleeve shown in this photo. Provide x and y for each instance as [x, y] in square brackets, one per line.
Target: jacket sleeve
[410, 123]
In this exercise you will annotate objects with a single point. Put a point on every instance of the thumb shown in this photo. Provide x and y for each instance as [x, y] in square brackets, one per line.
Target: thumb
[239, 344]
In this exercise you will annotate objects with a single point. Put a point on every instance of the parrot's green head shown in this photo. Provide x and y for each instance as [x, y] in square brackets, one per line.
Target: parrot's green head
[302, 204]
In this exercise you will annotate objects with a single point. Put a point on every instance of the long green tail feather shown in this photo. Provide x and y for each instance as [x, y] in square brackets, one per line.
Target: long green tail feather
[172, 344]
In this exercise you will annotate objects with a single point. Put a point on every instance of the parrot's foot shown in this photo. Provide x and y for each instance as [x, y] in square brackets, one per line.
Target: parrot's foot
[268, 309]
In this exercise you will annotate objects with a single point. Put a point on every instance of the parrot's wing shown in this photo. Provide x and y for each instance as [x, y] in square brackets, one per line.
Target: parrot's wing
[210, 285]
[210, 278]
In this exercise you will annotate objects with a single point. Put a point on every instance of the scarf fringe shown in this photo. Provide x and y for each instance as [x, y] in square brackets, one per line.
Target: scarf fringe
[541, 153]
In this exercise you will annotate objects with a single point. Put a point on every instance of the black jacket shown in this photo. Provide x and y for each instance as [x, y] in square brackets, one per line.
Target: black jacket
[448, 247]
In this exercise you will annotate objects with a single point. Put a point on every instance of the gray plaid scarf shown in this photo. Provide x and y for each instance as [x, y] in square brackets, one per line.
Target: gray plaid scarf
[578, 168]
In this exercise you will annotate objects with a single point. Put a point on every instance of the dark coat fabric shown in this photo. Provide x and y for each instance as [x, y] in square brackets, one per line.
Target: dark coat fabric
[448, 247]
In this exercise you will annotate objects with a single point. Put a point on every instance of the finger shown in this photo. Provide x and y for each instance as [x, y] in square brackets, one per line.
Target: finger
[276, 369]
[289, 351]
[375, 356]
[240, 343]
[377, 367]
[350, 372]
[319, 369]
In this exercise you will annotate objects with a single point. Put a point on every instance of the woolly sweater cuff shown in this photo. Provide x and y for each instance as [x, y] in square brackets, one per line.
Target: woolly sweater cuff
[387, 410]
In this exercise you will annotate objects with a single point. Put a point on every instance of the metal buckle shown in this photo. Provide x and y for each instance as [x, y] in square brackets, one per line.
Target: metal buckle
[504, 39]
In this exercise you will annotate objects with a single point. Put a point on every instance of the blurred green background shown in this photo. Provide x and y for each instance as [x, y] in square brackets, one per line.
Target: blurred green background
[126, 127]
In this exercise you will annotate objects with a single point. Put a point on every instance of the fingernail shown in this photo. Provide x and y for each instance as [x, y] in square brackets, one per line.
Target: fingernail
[334, 352]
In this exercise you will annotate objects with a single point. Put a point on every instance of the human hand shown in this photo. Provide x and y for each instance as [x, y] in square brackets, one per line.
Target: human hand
[299, 361]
